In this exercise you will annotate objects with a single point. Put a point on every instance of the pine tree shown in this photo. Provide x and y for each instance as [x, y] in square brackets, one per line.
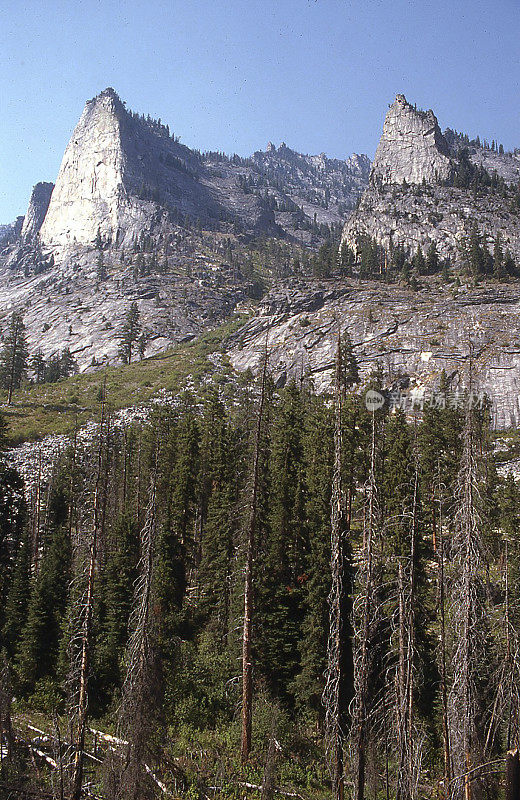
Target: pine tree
[129, 333]
[217, 517]
[12, 518]
[284, 556]
[13, 358]
[17, 596]
[175, 536]
[38, 366]
[37, 655]
[498, 259]
[318, 453]
[349, 362]
[419, 262]
[101, 270]
[68, 364]
[432, 259]
[115, 594]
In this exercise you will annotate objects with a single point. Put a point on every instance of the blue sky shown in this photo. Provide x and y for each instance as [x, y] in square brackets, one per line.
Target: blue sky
[317, 74]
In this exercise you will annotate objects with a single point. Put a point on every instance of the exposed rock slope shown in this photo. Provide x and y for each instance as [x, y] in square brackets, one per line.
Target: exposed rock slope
[120, 174]
[37, 209]
[124, 175]
[410, 201]
[413, 336]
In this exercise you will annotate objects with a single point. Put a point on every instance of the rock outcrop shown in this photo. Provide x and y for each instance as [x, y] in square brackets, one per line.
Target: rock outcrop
[11, 231]
[411, 201]
[92, 188]
[36, 210]
[123, 174]
[412, 147]
[412, 336]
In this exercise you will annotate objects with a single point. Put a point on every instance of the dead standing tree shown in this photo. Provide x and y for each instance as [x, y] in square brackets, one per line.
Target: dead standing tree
[6, 730]
[337, 692]
[128, 775]
[408, 740]
[505, 714]
[364, 613]
[440, 492]
[80, 644]
[247, 662]
[467, 613]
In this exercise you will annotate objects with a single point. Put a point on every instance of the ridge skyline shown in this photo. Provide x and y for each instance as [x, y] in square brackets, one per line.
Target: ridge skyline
[269, 147]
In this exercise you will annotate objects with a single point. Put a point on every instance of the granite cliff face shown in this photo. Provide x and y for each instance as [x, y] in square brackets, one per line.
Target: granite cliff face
[413, 198]
[112, 179]
[412, 147]
[123, 175]
[172, 222]
[37, 209]
[89, 192]
[411, 336]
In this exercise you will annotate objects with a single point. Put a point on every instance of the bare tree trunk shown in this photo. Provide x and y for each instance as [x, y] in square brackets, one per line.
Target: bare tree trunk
[77, 776]
[336, 694]
[362, 656]
[138, 711]
[139, 502]
[400, 691]
[512, 791]
[87, 612]
[6, 733]
[468, 613]
[247, 665]
[444, 681]
[408, 751]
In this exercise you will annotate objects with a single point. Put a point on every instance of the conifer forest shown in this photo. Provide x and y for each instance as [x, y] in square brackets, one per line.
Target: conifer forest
[264, 592]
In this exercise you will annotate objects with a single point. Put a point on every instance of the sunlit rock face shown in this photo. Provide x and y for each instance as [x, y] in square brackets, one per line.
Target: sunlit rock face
[410, 200]
[89, 192]
[123, 174]
[412, 147]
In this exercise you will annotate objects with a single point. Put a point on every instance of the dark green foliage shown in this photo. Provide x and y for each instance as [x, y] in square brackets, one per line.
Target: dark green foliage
[101, 270]
[369, 256]
[12, 517]
[176, 552]
[284, 556]
[200, 452]
[325, 262]
[17, 600]
[38, 365]
[218, 517]
[37, 654]
[13, 357]
[419, 262]
[350, 363]
[477, 258]
[130, 333]
[116, 583]
[432, 259]
[318, 450]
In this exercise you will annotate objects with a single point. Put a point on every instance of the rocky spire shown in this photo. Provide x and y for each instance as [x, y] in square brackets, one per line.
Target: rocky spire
[37, 209]
[412, 147]
[89, 188]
